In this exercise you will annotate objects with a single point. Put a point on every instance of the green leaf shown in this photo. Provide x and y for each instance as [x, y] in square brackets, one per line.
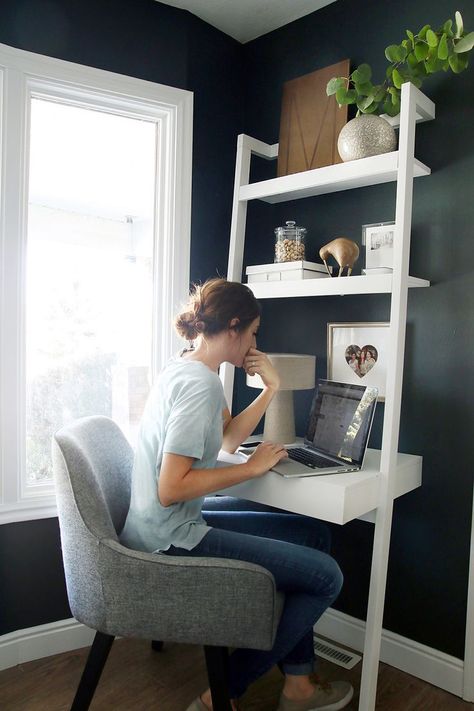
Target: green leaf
[394, 95]
[394, 53]
[362, 74]
[418, 70]
[334, 84]
[423, 31]
[421, 51]
[447, 28]
[443, 51]
[397, 79]
[387, 106]
[464, 59]
[411, 36]
[421, 69]
[433, 63]
[403, 51]
[372, 109]
[341, 95]
[379, 93]
[393, 109]
[364, 103]
[465, 44]
[345, 96]
[459, 24]
[416, 81]
[458, 62]
[431, 38]
[388, 72]
[364, 89]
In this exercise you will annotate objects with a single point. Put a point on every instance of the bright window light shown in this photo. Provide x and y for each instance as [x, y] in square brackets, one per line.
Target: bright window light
[89, 272]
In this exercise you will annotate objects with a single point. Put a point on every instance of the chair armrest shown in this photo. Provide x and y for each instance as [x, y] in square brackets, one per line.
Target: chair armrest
[213, 601]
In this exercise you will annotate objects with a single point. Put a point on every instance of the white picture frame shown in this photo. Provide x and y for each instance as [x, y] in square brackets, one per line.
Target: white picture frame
[351, 342]
[378, 239]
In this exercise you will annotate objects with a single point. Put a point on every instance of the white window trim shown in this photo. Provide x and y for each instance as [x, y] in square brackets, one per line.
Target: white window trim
[25, 74]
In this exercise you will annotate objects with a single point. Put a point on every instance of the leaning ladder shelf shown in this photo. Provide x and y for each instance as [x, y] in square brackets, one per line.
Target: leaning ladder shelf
[401, 167]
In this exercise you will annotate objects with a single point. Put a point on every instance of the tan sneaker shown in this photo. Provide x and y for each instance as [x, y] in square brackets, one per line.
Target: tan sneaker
[326, 697]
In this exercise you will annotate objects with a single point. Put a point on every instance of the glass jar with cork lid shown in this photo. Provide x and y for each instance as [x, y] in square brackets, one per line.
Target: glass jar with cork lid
[289, 243]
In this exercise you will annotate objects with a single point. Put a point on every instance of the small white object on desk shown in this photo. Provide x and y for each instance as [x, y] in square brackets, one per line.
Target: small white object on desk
[286, 271]
[226, 458]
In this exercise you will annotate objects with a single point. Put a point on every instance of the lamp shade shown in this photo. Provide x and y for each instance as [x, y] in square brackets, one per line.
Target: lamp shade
[296, 372]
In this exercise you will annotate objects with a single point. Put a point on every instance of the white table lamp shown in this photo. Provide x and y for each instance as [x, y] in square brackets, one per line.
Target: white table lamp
[297, 372]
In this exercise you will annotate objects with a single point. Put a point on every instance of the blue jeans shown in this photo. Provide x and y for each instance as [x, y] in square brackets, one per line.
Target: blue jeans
[295, 551]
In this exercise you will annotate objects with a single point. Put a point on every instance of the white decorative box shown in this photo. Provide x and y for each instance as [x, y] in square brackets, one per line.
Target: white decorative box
[286, 271]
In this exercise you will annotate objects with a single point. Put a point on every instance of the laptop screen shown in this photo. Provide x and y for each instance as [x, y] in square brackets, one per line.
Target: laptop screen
[340, 419]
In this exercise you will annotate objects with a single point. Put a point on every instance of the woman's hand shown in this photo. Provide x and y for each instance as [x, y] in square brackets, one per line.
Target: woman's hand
[257, 363]
[265, 457]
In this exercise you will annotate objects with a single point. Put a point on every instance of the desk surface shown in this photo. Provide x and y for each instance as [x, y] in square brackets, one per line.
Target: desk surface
[337, 498]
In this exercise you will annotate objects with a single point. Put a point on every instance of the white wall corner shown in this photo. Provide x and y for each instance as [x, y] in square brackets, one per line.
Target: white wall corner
[426, 663]
[42, 641]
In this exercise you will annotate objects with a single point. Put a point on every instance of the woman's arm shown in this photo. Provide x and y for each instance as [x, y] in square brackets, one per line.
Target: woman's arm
[237, 429]
[179, 482]
[243, 424]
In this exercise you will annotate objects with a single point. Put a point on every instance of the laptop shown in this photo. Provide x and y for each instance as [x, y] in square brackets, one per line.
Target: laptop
[338, 432]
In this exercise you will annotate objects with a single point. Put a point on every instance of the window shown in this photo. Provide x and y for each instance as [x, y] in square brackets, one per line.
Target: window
[94, 259]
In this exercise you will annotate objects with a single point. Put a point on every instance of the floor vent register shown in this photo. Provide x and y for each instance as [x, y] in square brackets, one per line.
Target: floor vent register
[339, 656]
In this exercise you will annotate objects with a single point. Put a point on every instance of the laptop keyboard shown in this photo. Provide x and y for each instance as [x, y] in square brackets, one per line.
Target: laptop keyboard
[309, 458]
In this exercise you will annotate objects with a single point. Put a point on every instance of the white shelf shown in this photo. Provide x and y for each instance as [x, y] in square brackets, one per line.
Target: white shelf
[337, 498]
[334, 286]
[367, 494]
[332, 178]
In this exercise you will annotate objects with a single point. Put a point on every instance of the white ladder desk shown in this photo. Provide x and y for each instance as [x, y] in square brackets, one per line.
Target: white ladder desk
[388, 474]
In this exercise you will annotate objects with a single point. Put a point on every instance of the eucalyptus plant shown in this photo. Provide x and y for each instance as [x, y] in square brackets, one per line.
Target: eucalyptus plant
[414, 59]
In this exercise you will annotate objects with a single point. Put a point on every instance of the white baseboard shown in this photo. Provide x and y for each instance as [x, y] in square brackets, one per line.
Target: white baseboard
[43, 641]
[426, 663]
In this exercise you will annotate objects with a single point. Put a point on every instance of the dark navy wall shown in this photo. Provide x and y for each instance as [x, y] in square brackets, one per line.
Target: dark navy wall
[144, 39]
[427, 581]
[426, 595]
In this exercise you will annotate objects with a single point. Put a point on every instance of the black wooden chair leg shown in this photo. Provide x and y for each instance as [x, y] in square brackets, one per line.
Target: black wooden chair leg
[90, 676]
[157, 645]
[217, 663]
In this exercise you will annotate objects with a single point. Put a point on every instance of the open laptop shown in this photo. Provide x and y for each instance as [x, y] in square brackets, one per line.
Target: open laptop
[338, 431]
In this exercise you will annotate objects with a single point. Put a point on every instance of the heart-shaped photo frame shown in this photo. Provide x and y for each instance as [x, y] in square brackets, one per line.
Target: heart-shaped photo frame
[361, 359]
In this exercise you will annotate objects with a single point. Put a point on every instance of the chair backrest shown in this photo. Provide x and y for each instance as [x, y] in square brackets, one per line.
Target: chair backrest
[98, 462]
[92, 462]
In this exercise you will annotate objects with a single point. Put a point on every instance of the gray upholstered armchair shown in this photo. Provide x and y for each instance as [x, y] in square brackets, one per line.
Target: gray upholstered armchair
[118, 591]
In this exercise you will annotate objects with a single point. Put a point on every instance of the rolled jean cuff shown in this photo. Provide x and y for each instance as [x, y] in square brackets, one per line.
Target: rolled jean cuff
[302, 669]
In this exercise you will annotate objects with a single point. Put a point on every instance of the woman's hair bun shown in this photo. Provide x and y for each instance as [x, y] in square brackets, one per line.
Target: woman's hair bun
[213, 305]
[186, 325]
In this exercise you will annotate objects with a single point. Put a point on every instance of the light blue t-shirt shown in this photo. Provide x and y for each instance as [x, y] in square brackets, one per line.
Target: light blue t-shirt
[183, 415]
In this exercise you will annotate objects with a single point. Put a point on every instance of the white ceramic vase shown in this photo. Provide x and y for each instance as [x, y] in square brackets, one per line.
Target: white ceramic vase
[366, 135]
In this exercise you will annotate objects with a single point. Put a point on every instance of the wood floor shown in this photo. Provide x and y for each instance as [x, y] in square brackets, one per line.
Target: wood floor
[137, 679]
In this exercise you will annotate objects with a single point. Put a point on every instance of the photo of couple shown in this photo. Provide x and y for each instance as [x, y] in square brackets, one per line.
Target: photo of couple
[361, 360]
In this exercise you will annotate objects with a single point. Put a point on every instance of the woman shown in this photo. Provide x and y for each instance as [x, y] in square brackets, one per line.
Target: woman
[185, 423]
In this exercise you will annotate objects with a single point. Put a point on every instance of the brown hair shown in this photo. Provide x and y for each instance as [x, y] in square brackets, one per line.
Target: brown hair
[213, 305]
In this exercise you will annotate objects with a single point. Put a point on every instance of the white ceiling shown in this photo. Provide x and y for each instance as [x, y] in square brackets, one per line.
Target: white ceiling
[244, 20]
